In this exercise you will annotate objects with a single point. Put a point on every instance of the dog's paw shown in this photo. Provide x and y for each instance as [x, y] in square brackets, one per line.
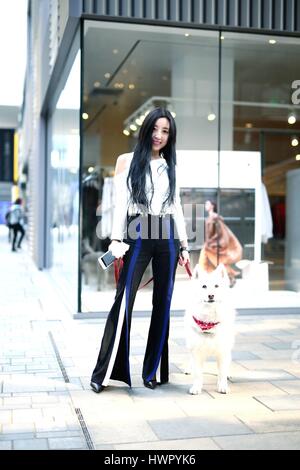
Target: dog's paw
[223, 387]
[195, 390]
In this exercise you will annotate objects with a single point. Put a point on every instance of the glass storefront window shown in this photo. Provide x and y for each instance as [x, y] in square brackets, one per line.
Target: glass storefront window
[258, 124]
[238, 140]
[63, 183]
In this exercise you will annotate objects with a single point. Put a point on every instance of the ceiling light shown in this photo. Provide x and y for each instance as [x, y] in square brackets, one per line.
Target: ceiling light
[272, 41]
[211, 117]
[222, 38]
[85, 116]
[107, 75]
[133, 127]
[139, 121]
[187, 35]
[249, 125]
[295, 142]
[297, 157]
[126, 132]
[115, 51]
[97, 84]
[173, 114]
[292, 119]
[131, 86]
[91, 169]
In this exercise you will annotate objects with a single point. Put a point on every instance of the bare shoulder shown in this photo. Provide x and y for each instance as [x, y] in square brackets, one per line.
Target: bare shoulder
[123, 163]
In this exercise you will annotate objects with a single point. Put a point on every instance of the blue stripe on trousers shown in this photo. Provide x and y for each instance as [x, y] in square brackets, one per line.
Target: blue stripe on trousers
[168, 303]
[132, 264]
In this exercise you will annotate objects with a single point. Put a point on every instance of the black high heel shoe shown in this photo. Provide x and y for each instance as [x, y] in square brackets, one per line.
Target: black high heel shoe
[96, 387]
[150, 383]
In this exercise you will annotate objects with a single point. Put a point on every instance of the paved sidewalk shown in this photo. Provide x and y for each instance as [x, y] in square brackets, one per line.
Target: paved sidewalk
[46, 359]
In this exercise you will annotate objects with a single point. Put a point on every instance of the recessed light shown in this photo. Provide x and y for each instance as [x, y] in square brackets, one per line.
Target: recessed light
[272, 41]
[211, 117]
[249, 125]
[295, 142]
[292, 119]
[97, 84]
[107, 75]
[297, 157]
[126, 132]
[222, 38]
[131, 86]
[115, 51]
[187, 35]
[91, 169]
[85, 116]
[133, 127]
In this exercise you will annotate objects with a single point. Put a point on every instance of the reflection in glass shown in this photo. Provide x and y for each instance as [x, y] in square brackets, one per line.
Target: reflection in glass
[64, 178]
[256, 110]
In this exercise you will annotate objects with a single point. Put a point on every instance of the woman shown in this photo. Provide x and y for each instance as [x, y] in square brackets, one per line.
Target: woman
[221, 245]
[147, 198]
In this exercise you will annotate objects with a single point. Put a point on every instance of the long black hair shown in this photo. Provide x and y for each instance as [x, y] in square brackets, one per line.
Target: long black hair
[140, 164]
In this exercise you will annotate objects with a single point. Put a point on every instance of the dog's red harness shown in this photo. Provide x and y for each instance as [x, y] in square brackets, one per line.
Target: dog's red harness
[205, 325]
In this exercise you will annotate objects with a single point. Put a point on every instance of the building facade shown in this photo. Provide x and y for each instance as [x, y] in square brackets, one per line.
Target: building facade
[227, 70]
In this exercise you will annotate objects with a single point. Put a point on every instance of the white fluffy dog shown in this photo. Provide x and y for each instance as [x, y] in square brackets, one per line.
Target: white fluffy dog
[209, 326]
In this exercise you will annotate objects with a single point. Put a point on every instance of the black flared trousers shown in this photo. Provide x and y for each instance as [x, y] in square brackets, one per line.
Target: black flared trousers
[156, 240]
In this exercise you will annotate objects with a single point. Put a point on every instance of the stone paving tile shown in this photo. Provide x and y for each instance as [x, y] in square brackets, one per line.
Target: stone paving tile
[5, 445]
[280, 345]
[5, 416]
[26, 415]
[276, 403]
[269, 374]
[18, 428]
[269, 421]
[191, 427]
[18, 435]
[106, 432]
[219, 405]
[67, 443]
[203, 443]
[30, 444]
[269, 441]
[289, 386]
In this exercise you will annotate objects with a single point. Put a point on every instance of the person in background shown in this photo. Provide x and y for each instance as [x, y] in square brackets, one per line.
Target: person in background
[147, 203]
[221, 245]
[16, 223]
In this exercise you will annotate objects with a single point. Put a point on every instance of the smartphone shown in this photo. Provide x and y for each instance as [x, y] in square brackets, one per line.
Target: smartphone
[106, 260]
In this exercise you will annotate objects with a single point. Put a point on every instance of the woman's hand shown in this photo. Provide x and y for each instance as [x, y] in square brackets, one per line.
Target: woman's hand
[184, 257]
[118, 248]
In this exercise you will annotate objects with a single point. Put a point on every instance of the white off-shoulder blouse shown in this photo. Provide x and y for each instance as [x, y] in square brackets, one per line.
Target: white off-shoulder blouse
[160, 182]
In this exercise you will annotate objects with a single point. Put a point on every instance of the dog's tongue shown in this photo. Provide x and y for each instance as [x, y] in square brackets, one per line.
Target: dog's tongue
[205, 325]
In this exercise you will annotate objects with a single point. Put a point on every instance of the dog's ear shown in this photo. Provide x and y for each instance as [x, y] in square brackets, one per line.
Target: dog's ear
[197, 272]
[223, 272]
